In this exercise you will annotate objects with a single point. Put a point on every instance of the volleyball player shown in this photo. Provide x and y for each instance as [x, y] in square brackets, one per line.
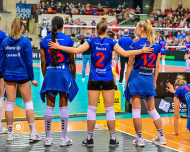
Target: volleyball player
[181, 94]
[59, 73]
[101, 77]
[16, 62]
[2, 86]
[187, 44]
[141, 80]
[163, 46]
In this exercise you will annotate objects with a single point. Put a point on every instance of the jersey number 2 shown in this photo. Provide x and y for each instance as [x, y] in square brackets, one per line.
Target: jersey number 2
[58, 55]
[145, 56]
[100, 60]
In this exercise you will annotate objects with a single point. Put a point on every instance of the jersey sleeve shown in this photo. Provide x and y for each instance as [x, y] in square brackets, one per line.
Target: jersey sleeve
[29, 60]
[114, 42]
[132, 47]
[89, 41]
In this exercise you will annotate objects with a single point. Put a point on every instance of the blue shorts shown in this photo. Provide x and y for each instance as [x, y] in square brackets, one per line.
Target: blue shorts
[141, 82]
[163, 52]
[59, 79]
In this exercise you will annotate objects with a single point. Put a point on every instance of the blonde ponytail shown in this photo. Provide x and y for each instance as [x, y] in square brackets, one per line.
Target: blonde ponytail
[148, 30]
[16, 28]
[180, 80]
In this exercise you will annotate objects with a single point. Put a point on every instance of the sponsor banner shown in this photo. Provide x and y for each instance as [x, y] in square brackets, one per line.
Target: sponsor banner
[175, 55]
[23, 10]
[164, 105]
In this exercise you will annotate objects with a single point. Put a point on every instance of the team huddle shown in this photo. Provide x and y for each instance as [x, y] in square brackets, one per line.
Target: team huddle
[57, 63]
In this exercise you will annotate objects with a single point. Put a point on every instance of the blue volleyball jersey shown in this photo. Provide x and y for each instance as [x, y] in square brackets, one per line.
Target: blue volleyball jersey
[187, 44]
[163, 46]
[63, 40]
[101, 58]
[145, 61]
[183, 92]
[16, 59]
[2, 37]
[125, 42]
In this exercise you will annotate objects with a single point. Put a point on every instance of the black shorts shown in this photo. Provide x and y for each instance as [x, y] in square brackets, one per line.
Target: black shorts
[19, 82]
[101, 85]
[1, 75]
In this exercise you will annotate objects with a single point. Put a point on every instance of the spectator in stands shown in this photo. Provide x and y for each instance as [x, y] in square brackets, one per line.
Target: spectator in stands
[82, 10]
[74, 10]
[67, 10]
[94, 12]
[120, 33]
[119, 8]
[79, 6]
[78, 28]
[59, 8]
[100, 8]
[93, 24]
[180, 5]
[47, 5]
[87, 8]
[53, 2]
[52, 6]
[179, 36]
[65, 7]
[71, 6]
[138, 10]
[43, 5]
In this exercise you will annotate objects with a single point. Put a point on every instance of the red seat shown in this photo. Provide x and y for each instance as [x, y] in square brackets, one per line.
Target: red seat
[110, 10]
[54, 11]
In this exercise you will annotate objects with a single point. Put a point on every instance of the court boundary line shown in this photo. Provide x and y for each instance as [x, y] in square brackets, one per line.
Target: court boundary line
[147, 140]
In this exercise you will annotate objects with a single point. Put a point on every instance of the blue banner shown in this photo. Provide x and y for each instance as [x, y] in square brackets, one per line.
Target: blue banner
[23, 10]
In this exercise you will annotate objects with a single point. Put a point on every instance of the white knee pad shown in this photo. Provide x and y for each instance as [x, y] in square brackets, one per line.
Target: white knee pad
[136, 113]
[10, 106]
[1, 102]
[29, 105]
[154, 114]
[110, 113]
[91, 113]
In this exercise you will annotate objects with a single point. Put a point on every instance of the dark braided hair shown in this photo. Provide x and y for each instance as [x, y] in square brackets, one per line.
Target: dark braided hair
[57, 23]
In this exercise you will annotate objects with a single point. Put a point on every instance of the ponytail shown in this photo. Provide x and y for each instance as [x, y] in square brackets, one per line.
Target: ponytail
[16, 27]
[57, 23]
[148, 30]
[180, 81]
[102, 26]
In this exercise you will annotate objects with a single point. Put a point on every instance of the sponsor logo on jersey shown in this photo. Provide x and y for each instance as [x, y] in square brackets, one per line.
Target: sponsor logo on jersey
[100, 70]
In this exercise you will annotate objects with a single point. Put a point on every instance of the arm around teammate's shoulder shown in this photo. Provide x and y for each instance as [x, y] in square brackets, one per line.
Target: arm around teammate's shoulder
[124, 53]
[84, 47]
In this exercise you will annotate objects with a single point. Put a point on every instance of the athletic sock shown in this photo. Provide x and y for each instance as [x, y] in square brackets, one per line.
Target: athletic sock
[160, 133]
[32, 128]
[90, 135]
[139, 134]
[112, 135]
